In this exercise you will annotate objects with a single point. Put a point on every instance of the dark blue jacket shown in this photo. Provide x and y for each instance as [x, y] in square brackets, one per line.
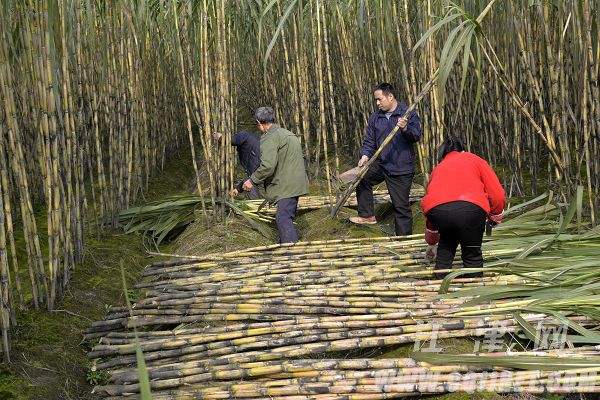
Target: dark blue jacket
[398, 157]
[248, 149]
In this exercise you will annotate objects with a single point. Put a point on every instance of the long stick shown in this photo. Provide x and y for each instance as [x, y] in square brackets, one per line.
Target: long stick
[342, 199]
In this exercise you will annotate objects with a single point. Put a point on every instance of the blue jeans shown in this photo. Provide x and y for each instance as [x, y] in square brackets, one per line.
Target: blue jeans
[253, 194]
[286, 212]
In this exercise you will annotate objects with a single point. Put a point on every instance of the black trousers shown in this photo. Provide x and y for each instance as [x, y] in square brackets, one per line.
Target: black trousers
[459, 222]
[399, 189]
[284, 217]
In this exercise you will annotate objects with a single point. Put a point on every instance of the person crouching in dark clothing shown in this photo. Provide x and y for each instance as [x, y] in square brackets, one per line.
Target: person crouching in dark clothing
[247, 145]
[463, 193]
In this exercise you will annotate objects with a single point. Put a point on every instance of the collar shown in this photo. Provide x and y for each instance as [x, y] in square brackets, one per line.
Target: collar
[399, 110]
[272, 128]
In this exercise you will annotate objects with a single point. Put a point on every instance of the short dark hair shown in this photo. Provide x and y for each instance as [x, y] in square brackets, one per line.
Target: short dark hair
[386, 88]
[265, 115]
[450, 143]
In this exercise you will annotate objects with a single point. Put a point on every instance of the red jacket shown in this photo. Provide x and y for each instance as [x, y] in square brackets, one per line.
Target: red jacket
[463, 176]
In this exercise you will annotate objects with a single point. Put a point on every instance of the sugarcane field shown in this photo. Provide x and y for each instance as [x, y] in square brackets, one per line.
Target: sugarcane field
[299, 199]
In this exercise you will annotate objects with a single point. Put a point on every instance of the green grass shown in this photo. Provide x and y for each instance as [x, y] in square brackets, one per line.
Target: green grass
[12, 386]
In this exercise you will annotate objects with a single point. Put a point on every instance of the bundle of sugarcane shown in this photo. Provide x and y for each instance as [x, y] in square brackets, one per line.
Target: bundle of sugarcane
[338, 318]
[357, 314]
[315, 202]
[160, 218]
[306, 335]
[403, 255]
[540, 220]
[196, 360]
[329, 282]
[338, 387]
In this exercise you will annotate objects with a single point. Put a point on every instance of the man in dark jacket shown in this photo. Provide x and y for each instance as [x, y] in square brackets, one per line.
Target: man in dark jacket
[396, 164]
[281, 172]
[247, 145]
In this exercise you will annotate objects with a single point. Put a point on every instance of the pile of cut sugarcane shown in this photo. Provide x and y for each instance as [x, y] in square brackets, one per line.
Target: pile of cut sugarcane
[306, 203]
[298, 321]
[159, 218]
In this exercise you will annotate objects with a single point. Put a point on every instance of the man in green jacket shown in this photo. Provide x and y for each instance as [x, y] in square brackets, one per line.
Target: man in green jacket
[281, 171]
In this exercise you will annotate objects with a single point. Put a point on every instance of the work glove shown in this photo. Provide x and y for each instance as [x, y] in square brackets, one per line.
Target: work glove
[495, 219]
[431, 252]
[432, 237]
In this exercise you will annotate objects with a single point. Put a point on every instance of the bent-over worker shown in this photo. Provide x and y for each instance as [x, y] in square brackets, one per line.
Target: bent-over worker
[281, 172]
[247, 145]
[463, 192]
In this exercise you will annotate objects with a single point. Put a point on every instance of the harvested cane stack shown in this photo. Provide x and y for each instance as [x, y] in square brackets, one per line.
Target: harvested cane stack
[160, 218]
[315, 202]
[264, 315]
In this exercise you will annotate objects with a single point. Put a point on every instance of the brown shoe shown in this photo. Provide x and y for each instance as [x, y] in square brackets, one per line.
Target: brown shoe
[363, 220]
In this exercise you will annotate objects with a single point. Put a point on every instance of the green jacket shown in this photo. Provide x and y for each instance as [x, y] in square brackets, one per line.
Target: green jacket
[281, 169]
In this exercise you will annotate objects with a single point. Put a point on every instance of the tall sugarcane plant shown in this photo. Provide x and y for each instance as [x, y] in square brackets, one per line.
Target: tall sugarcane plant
[88, 115]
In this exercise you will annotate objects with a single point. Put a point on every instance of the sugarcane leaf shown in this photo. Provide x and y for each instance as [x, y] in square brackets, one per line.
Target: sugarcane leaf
[450, 51]
[143, 377]
[465, 66]
[524, 362]
[575, 205]
[528, 329]
[479, 86]
[445, 285]
[267, 8]
[592, 337]
[485, 12]
[543, 244]
[255, 225]
[514, 209]
[446, 20]
[166, 228]
[279, 28]
[142, 370]
[261, 18]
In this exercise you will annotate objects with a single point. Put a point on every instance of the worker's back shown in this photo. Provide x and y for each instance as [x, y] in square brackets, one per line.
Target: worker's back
[463, 176]
[281, 151]
[248, 148]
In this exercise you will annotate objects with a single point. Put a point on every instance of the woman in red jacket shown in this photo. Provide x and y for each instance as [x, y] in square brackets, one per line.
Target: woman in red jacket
[463, 192]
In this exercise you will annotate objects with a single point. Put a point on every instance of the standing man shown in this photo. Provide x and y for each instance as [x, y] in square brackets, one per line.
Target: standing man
[248, 149]
[396, 163]
[281, 171]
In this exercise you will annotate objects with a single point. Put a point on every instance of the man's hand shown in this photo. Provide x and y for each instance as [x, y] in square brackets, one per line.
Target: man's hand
[402, 123]
[363, 160]
[217, 136]
[233, 192]
[247, 185]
